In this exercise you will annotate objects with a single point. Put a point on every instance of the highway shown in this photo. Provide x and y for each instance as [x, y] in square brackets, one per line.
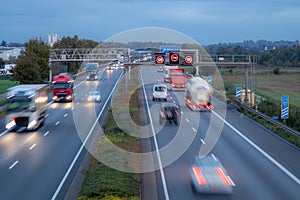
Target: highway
[42, 164]
[259, 163]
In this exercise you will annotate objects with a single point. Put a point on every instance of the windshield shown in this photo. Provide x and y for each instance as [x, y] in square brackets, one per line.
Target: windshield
[61, 85]
[160, 89]
[18, 104]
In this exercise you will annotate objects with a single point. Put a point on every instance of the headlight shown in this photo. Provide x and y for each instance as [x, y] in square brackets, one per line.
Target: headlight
[10, 124]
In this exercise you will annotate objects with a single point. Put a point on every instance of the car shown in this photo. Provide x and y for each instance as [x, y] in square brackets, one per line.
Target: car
[209, 176]
[168, 112]
[160, 69]
[160, 91]
[94, 96]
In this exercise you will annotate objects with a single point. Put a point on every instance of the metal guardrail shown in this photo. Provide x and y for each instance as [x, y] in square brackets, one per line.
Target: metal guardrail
[269, 119]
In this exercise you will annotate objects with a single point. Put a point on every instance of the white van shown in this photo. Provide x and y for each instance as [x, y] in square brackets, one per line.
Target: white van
[160, 91]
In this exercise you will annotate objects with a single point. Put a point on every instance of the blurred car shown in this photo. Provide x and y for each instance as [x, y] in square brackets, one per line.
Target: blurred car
[209, 176]
[168, 112]
[160, 91]
[94, 96]
[160, 69]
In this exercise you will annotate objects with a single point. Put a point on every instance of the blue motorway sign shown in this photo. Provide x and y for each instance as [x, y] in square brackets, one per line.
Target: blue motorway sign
[167, 49]
[209, 80]
[284, 107]
[238, 92]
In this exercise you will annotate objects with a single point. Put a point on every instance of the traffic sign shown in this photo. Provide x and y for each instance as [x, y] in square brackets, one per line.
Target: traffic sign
[167, 49]
[284, 107]
[188, 60]
[174, 58]
[209, 80]
[160, 59]
[238, 92]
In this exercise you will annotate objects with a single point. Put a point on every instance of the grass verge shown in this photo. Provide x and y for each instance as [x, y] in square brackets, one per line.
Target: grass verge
[101, 181]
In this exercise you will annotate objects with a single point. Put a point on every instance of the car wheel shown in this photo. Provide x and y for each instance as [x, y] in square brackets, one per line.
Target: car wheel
[166, 99]
[153, 99]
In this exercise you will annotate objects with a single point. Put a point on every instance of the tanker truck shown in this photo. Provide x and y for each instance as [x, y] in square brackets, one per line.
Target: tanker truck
[198, 94]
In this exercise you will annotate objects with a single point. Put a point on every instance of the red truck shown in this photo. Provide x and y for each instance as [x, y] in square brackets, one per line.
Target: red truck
[63, 87]
[177, 79]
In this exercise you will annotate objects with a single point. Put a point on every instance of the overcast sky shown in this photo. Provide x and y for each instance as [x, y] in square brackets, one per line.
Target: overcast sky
[206, 21]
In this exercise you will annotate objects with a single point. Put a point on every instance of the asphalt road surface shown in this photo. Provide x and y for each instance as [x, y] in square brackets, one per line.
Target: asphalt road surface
[259, 163]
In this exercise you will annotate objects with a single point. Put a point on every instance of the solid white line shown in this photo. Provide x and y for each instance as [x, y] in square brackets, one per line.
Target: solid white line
[214, 157]
[47, 115]
[84, 142]
[181, 112]
[12, 166]
[3, 133]
[66, 115]
[187, 120]
[46, 133]
[156, 145]
[270, 158]
[32, 146]
[194, 130]
[202, 141]
[57, 123]
[232, 183]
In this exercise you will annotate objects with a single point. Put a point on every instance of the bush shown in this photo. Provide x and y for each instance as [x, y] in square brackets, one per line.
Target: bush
[276, 71]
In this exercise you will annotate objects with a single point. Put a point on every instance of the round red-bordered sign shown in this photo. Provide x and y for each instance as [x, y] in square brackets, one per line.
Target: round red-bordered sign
[188, 59]
[160, 60]
[174, 57]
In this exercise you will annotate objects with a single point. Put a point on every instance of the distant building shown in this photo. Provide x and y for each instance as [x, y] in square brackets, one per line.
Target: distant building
[10, 52]
[52, 38]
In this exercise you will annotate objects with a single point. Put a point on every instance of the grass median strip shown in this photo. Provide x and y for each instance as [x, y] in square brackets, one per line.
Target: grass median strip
[101, 181]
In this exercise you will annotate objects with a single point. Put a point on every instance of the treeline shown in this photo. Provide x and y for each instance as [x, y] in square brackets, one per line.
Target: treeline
[269, 54]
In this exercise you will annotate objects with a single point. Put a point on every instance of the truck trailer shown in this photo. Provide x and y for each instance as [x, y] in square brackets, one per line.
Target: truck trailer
[198, 94]
[26, 106]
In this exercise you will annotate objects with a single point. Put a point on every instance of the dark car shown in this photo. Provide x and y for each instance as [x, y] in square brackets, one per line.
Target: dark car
[168, 112]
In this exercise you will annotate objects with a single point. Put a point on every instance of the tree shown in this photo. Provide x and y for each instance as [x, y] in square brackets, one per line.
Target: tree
[3, 43]
[32, 65]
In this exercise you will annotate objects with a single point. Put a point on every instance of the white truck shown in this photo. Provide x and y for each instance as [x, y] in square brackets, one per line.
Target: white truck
[26, 106]
[198, 94]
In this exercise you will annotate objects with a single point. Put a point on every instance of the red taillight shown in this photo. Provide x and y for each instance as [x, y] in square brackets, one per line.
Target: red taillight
[199, 176]
[222, 176]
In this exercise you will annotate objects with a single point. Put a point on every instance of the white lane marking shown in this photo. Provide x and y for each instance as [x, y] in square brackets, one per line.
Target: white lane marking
[77, 103]
[156, 146]
[202, 141]
[232, 183]
[214, 157]
[84, 142]
[57, 123]
[66, 115]
[171, 97]
[32, 147]
[46, 133]
[270, 158]
[187, 120]
[75, 94]
[47, 115]
[3, 133]
[13, 165]
[181, 112]
[174, 101]
[81, 99]
[194, 130]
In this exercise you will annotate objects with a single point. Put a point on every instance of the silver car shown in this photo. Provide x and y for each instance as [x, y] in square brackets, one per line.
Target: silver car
[209, 176]
[94, 96]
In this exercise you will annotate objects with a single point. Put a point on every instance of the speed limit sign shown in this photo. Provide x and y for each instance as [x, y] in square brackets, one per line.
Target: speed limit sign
[188, 60]
[160, 59]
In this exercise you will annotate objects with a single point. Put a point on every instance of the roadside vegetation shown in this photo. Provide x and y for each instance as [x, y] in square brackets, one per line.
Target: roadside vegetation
[101, 181]
[270, 86]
